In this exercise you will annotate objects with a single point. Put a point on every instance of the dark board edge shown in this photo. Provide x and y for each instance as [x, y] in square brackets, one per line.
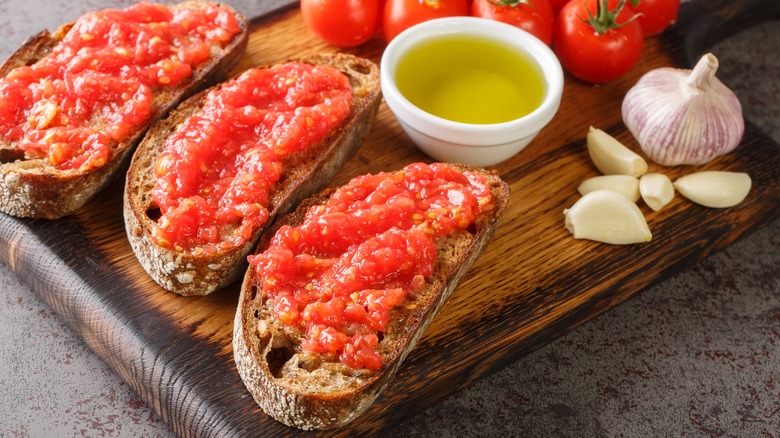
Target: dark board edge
[279, 8]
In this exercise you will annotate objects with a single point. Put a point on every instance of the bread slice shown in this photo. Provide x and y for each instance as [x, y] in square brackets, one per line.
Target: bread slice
[309, 391]
[35, 188]
[305, 173]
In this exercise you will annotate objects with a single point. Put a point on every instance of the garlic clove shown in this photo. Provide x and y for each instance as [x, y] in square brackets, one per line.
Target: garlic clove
[608, 217]
[681, 116]
[715, 188]
[611, 157]
[656, 190]
[626, 185]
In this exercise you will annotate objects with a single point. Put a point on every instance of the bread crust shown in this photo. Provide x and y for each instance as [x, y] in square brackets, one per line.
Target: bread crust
[34, 188]
[301, 389]
[304, 174]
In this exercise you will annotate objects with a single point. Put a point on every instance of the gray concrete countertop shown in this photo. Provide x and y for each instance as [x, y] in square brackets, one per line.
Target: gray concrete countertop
[696, 355]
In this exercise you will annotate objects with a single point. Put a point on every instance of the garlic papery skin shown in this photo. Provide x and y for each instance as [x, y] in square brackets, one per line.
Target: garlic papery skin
[612, 157]
[656, 189]
[608, 217]
[715, 188]
[683, 116]
[626, 185]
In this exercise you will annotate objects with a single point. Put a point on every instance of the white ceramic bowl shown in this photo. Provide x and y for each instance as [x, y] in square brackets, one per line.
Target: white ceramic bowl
[474, 144]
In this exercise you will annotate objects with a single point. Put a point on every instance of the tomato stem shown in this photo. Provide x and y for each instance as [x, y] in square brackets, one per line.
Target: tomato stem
[605, 20]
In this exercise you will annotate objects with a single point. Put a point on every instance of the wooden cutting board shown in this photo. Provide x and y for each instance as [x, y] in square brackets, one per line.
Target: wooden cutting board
[533, 283]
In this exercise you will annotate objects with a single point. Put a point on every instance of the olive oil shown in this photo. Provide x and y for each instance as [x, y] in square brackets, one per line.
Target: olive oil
[470, 79]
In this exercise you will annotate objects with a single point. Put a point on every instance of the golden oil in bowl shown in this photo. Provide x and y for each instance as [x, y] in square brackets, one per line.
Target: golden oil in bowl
[470, 79]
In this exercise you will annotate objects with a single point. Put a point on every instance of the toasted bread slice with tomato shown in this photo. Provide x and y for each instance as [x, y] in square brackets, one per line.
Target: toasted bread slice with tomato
[313, 390]
[192, 272]
[34, 187]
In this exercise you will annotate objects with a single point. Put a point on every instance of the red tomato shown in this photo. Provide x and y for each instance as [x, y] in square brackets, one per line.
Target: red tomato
[533, 16]
[557, 5]
[343, 23]
[657, 15]
[599, 44]
[402, 14]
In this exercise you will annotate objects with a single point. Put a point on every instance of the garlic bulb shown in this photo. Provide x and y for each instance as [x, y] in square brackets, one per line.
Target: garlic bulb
[684, 116]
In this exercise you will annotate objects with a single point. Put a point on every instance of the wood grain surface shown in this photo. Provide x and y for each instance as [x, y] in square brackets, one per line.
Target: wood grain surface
[533, 283]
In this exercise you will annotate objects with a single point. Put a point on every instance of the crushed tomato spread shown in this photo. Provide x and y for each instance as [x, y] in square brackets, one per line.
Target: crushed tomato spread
[338, 274]
[215, 175]
[97, 85]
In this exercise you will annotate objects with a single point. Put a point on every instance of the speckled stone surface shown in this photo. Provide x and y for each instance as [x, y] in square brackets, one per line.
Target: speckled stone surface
[696, 355]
